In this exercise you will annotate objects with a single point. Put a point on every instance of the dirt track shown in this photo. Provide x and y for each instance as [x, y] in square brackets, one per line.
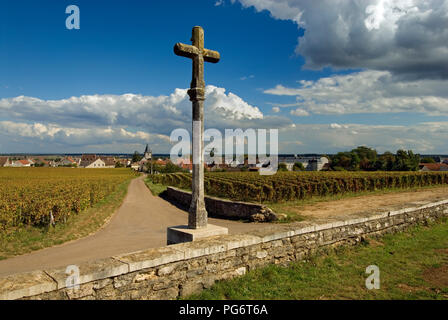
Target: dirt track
[139, 223]
[371, 202]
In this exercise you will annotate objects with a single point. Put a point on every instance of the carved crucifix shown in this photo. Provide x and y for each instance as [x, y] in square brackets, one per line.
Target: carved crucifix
[197, 217]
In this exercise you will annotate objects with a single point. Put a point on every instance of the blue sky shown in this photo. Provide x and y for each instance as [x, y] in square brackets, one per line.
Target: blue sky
[285, 64]
[129, 48]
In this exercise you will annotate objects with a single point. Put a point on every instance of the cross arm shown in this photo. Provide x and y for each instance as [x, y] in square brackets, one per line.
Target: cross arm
[211, 56]
[189, 51]
[185, 50]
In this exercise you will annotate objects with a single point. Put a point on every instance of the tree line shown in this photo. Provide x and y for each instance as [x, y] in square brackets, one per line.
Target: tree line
[367, 159]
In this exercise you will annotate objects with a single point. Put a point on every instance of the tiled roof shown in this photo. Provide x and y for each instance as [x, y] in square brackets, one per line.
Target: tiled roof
[3, 161]
[434, 166]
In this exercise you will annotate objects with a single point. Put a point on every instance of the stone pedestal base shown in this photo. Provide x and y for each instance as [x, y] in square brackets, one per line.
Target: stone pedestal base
[179, 234]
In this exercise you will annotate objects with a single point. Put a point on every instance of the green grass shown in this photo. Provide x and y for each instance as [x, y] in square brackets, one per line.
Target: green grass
[26, 239]
[413, 265]
[155, 188]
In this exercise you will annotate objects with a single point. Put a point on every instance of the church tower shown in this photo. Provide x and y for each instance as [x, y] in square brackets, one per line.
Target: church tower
[148, 153]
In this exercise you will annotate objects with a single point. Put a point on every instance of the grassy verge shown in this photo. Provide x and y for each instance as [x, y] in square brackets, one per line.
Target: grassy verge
[27, 239]
[292, 208]
[155, 188]
[412, 264]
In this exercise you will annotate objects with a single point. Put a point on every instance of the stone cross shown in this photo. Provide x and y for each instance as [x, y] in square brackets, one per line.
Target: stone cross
[197, 217]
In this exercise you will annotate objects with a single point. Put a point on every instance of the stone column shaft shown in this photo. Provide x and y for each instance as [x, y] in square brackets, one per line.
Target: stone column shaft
[197, 217]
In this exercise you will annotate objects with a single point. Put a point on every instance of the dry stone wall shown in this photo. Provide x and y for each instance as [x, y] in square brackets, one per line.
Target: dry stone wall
[183, 269]
[217, 207]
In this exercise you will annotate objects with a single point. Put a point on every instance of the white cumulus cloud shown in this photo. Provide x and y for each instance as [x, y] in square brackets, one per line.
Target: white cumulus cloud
[424, 138]
[117, 122]
[407, 37]
[299, 113]
[369, 92]
[158, 114]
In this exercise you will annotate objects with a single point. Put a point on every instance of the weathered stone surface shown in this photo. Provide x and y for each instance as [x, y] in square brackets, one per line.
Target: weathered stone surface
[150, 258]
[190, 287]
[181, 234]
[166, 270]
[200, 248]
[90, 271]
[261, 254]
[239, 240]
[241, 271]
[272, 233]
[99, 284]
[124, 280]
[84, 291]
[197, 216]
[25, 285]
[146, 276]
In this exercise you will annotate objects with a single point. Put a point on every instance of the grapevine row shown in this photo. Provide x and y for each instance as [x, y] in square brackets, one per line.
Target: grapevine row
[287, 186]
[38, 196]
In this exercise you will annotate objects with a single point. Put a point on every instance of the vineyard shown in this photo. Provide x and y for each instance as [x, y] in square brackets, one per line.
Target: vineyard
[40, 196]
[288, 186]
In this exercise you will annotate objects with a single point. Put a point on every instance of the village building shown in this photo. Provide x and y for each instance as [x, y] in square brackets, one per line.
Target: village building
[68, 161]
[135, 166]
[123, 162]
[109, 162]
[98, 163]
[5, 162]
[90, 161]
[147, 158]
[22, 163]
[41, 163]
[433, 167]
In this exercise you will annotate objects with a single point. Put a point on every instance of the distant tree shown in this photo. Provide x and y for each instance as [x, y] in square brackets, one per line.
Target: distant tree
[155, 167]
[346, 160]
[298, 166]
[427, 160]
[366, 153]
[171, 168]
[367, 158]
[118, 164]
[385, 162]
[168, 168]
[406, 161]
[364, 158]
[136, 157]
[282, 167]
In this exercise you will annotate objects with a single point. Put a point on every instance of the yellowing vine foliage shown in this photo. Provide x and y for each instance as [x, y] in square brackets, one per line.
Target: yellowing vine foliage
[287, 186]
[39, 196]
